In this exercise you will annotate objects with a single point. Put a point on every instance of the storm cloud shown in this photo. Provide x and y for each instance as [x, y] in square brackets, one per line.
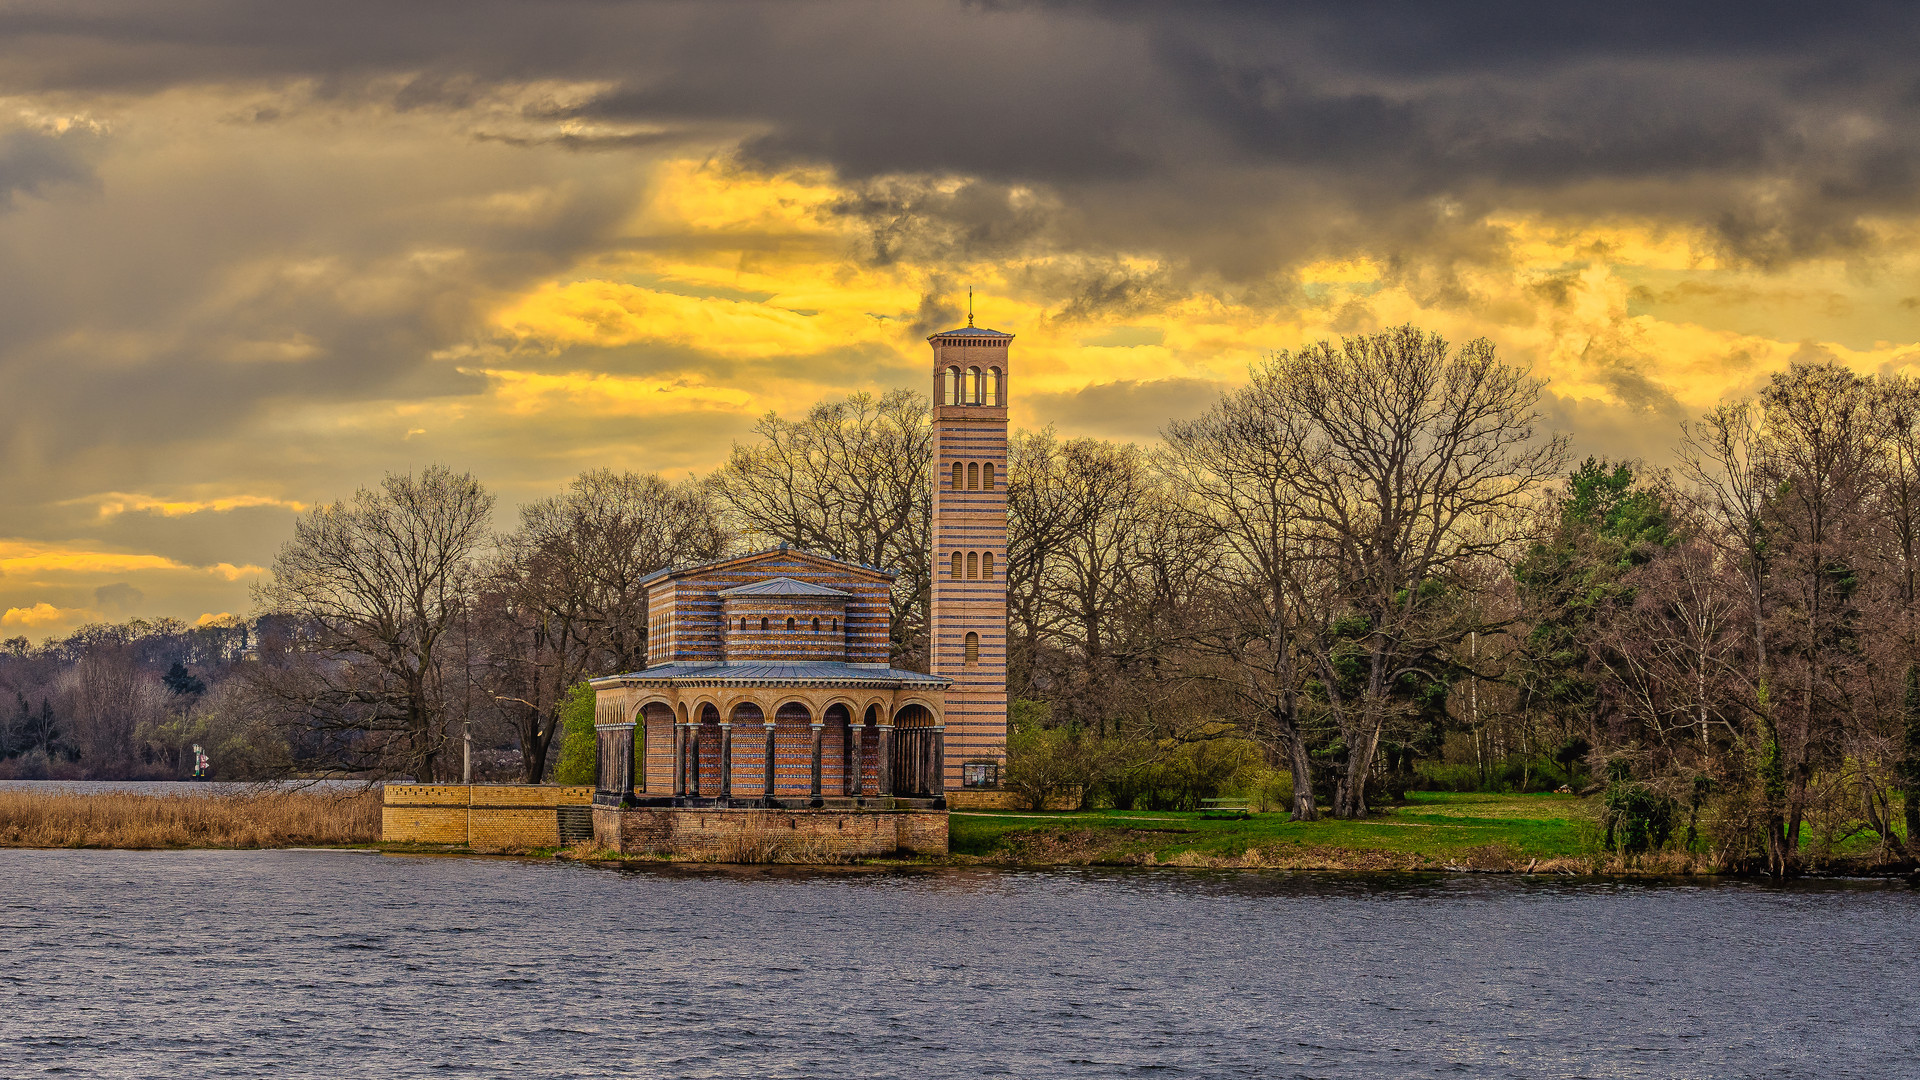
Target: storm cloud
[267, 251]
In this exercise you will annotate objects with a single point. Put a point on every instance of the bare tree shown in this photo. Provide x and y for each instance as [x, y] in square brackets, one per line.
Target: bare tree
[372, 588]
[1401, 462]
[1238, 464]
[852, 480]
[564, 601]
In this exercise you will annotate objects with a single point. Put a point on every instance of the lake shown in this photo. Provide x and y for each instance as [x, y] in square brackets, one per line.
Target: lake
[294, 963]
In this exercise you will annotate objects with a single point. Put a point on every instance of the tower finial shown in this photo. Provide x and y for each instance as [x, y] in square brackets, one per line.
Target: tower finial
[969, 307]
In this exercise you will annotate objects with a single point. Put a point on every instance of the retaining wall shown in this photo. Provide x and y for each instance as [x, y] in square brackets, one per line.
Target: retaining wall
[481, 816]
[729, 835]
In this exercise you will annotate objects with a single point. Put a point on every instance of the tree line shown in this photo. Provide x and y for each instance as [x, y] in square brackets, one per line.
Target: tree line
[1366, 570]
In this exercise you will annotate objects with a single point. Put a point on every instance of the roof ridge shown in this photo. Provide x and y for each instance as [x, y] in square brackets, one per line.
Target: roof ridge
[685, 568]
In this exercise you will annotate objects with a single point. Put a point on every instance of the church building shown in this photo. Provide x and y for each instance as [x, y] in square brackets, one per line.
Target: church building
[768, 702]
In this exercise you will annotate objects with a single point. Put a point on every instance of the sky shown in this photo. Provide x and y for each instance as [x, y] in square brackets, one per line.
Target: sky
[254, 256]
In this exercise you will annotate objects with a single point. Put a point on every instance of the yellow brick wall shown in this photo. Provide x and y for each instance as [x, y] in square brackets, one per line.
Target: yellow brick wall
[483, 815]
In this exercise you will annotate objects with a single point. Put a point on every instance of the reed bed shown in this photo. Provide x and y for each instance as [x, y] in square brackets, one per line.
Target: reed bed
[65, 819]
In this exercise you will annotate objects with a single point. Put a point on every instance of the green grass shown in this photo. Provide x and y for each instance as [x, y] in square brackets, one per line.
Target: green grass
[1434, 828]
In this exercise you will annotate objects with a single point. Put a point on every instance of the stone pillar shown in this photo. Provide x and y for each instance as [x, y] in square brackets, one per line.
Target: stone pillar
[693, 758]
[770, 774]
[679, 759]
[818, 726]
[853, 764]
[637, 753]
[937, 784]
[885, 752]
[726, 759]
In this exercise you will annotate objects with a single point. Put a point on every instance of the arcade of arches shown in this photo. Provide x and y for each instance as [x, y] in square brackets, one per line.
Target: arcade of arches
[713, 745]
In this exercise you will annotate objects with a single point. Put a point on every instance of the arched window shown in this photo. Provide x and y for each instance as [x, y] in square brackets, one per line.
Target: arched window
[973, 476]
[973, 565]
[816, 626]
[986, 476]
[973, 386]
[956, 566]
[973, 649]
[952, 388]
[959, 476]
[743, 624]
[763, 622]
[789, 624]
[986, 565]
[993, 387]
[836, 626]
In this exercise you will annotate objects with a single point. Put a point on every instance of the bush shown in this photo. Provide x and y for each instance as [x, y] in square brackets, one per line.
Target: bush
[1182, 776]
[579, 748]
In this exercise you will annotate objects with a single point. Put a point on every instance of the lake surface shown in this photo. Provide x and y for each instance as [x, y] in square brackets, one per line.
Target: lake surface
[291, 963]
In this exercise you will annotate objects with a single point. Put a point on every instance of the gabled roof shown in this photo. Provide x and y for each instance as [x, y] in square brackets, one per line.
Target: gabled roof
[969, 331]
[782, 586]
[858, 569]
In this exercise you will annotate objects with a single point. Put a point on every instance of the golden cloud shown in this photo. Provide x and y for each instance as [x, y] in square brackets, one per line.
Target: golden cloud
[114, 503]
[41, 614]
[20, 557]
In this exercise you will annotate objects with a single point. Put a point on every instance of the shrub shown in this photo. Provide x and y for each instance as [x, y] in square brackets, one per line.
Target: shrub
[578, 743]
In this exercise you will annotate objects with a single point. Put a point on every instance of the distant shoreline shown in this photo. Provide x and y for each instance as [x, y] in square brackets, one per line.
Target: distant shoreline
[1531, 835]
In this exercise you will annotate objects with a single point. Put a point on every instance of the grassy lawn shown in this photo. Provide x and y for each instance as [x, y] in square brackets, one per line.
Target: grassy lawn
[1433, 828]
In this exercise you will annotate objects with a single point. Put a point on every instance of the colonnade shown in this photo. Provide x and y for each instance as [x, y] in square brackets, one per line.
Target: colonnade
[905, 764]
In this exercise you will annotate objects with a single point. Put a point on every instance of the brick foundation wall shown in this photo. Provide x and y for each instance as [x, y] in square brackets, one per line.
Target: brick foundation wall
[482, 816]
[769, 835]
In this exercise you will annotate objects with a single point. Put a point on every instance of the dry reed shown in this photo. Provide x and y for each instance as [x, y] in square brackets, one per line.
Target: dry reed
[65, 819]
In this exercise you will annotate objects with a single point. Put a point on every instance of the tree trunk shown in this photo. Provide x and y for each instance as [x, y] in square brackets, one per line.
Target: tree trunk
[1910, 761]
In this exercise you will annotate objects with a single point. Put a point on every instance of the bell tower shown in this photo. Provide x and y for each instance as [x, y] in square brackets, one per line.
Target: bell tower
[970, 379]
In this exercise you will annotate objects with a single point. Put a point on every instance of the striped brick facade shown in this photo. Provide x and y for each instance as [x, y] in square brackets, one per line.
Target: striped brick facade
[970, 377]
[768, 687]
[688, 621]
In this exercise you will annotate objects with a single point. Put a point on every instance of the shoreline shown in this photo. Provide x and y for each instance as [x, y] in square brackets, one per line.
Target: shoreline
[1564, 869]
[1543, 835]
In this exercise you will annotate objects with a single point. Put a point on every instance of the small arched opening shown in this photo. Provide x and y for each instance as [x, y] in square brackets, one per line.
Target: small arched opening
[973, 566]
[986, 476]
[973, 476]
[955, 575]
[986, 566]
[973, 649]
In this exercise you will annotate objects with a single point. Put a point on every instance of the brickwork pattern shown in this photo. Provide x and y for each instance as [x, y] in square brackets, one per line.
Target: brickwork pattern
[721, 835]
[687, 618]
[479, 815]
[970, 522]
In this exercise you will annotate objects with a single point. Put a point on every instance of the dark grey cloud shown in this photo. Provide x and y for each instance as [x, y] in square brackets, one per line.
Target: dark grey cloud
[1351, 110]
[119, 598]
[35, 163]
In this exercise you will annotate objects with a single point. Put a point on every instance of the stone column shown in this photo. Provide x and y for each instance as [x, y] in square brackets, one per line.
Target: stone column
[885, 752]
[853, 765]
[770, 774]
[679, 759]
[937, 784]
[693, 758]
[726, 759]
[637, 754]
[818, 726]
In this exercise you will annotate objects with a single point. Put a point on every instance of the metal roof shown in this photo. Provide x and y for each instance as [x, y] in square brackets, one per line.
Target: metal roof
[783, 586]
[969, 331]
[682, 569]
[803, 671]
